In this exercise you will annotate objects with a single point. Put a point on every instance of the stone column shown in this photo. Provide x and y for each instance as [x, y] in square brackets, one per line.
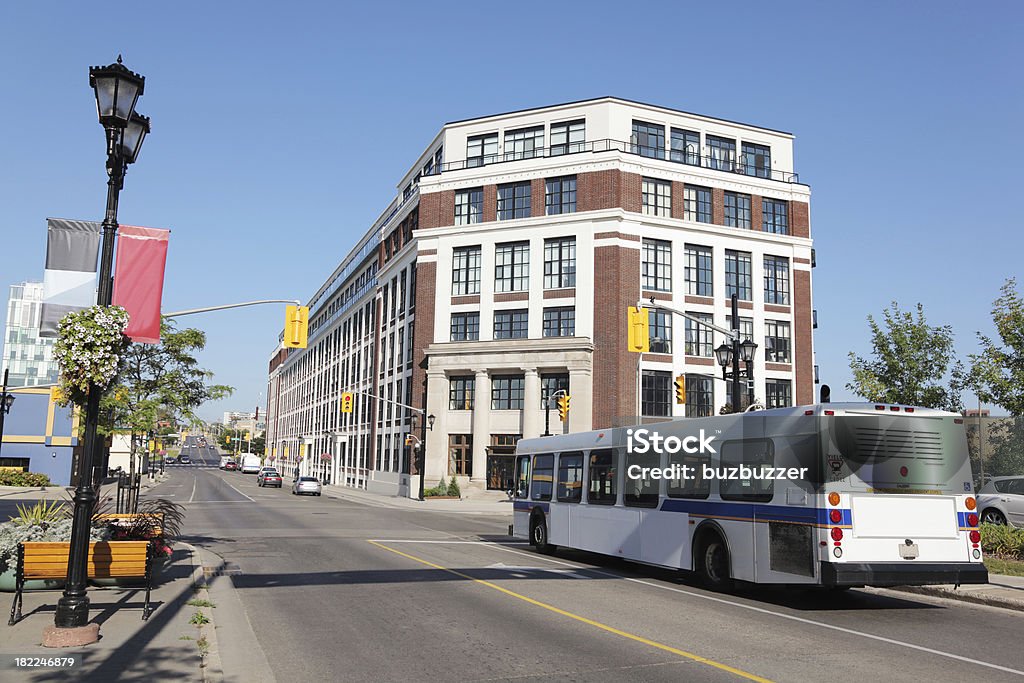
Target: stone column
[481, 425]
[581, 406]
[437, 438]
[533, 419]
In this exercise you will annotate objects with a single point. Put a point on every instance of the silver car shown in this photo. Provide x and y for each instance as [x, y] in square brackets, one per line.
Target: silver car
[1001, 501]
[306, 485]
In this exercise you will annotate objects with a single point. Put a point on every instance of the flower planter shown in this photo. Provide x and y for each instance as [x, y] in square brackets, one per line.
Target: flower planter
[8, 582]
[442, 498]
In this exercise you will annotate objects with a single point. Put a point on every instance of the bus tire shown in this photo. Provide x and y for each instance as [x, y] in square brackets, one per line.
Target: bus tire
[712, 562]
[539, 535]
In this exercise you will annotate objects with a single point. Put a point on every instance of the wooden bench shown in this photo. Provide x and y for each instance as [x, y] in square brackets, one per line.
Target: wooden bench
[107, 559]
[126, 518]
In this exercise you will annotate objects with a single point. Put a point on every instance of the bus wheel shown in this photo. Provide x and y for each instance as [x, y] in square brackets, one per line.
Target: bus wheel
[713, 563]
[539, 535]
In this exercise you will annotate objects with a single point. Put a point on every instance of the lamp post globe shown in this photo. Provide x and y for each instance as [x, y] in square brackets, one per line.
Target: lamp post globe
[117, 90]
[723, 354]
[747, 350]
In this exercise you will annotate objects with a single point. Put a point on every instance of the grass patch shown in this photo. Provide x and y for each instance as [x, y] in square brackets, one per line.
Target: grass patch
[1006, 567]
[204, 649]
[200, 603]
[184, 637]
[199, 619]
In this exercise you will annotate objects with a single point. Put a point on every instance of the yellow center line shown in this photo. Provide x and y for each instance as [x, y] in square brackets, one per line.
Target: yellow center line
[590, 622]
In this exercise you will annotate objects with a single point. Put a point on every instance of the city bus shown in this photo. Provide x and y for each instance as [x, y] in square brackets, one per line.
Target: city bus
[839, 495]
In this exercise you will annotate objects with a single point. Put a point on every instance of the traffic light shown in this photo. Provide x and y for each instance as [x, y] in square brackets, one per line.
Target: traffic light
[347, 402]
[681, 389]
[638, 330]
[296, 326]
[563, 407]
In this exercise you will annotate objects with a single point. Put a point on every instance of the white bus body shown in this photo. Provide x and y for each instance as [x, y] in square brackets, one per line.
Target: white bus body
[886, 497]
[250, 463]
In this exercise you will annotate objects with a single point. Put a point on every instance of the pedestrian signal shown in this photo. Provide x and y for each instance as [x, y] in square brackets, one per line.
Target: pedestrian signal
[563, 407]
[638, 328]
[296, 327]
[347, 402]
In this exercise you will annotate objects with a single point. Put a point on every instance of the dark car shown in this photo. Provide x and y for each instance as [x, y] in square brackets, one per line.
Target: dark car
[269, 478]
[231, 465]
[184, 460]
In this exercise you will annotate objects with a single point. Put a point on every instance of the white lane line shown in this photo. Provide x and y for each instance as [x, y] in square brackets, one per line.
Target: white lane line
[195, 483]
[761, 610]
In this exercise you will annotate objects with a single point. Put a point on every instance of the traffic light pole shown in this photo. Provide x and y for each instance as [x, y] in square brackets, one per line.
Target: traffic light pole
[191, 311]
[547, 410]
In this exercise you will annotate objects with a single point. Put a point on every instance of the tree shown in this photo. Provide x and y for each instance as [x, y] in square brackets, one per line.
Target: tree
[160, 381]
[997, 373]
[911, 361]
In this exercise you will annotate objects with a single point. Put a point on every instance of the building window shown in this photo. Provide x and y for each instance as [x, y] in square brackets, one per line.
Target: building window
[460, 392]
[648, 140]
[660, 331]
[656, 269]
[697, 203]
[550, 384]
[738, 279]
[656, 197]
[700, 396]
[778, 393]
[776, 341]
[560, 195]
[512, 267]
[560, 322]
[469, 206]
[699, 341]
[656, 394]
[460, 455]
[511, 324]
[776, 280]
[466, 270]
[737, 210]
[568, 137]
[465, 326]
[775, 216]
[507, 392]
[698, 271]
[685, 147]
[746, 327]
[481, 149]
[757, 160]
[513, 201]
[560, 263]
[721, 153]
[524, 143]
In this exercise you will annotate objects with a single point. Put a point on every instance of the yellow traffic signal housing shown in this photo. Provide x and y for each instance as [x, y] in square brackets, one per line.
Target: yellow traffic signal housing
[638, 330]
[347, 402]
[563, 407]
[681, 389]
[296, 327]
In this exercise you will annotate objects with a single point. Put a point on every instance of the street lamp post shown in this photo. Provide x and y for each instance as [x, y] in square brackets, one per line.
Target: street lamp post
[421, 460]
[731, 354]
[117, 90]
[6, 401]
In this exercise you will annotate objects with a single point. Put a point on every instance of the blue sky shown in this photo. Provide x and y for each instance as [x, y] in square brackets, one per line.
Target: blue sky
[281, 129]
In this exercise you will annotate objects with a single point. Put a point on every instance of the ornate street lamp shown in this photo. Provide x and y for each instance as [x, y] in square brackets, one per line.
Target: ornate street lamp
[723, 354]
[747, 350]
[117, 90]
[6, 401]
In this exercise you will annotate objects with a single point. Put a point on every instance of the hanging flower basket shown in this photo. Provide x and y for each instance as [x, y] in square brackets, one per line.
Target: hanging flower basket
[88, 350]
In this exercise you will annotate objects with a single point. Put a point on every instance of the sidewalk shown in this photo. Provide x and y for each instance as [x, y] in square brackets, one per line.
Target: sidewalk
[476, 506]
[129, 649]
[1000, 591]
[68, 492]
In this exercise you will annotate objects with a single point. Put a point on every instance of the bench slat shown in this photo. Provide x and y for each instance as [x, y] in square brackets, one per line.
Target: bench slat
[46, 559]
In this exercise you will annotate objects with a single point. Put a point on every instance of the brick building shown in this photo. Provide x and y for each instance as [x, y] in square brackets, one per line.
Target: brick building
[503, 269]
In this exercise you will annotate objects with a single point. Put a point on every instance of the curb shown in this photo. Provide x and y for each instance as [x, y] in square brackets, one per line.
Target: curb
[211, 667]
[991, 601]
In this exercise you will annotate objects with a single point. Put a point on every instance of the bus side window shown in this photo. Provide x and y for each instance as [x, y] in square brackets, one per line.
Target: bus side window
[601, 486]
[641, 491]
[695, 486]
[543, 469]
[570, 478]
[522, 476]
[755, 454]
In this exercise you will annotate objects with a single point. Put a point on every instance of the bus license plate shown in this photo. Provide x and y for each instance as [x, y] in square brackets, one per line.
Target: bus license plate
[908, 552]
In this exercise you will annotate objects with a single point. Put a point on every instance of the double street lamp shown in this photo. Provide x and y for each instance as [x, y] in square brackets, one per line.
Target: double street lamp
[420, 447]
[731, 354]
[117, 90]
[6, 401]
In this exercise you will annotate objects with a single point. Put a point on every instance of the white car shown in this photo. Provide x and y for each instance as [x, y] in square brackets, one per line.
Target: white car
[306, 485]
[1001, 501]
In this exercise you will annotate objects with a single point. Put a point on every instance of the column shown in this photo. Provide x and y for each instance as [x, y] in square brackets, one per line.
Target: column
[581, 407]
[481, 425]
[436, 458]
[533, 419]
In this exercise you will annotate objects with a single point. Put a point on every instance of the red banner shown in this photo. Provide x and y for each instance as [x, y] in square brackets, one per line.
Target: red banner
[139, 279]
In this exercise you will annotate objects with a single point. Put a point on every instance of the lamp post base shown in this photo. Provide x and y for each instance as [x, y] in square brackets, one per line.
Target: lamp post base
[55, 636]
[72, 612]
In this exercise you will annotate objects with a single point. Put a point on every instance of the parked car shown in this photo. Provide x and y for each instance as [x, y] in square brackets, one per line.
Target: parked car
[1001, 501]
[231, 465]
[306, 485]
[269, 478]
[185, 460]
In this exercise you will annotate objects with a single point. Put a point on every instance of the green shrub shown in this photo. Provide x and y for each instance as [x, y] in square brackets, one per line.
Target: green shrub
[14, 478]
[453, 488]
[999, 540]
[440, 490]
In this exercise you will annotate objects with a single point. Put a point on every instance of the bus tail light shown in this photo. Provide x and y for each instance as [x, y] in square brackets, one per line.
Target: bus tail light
[904, 471]
[836, 516]
[833, 499]
[970, 503]
[838, 552]
[975, 536]
[837, 534]
[972, 519]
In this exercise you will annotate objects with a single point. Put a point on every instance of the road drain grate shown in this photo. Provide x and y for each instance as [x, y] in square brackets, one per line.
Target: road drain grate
[226, 569]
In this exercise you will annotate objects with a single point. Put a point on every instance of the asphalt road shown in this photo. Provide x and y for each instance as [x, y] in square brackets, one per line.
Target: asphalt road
[338, 590]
